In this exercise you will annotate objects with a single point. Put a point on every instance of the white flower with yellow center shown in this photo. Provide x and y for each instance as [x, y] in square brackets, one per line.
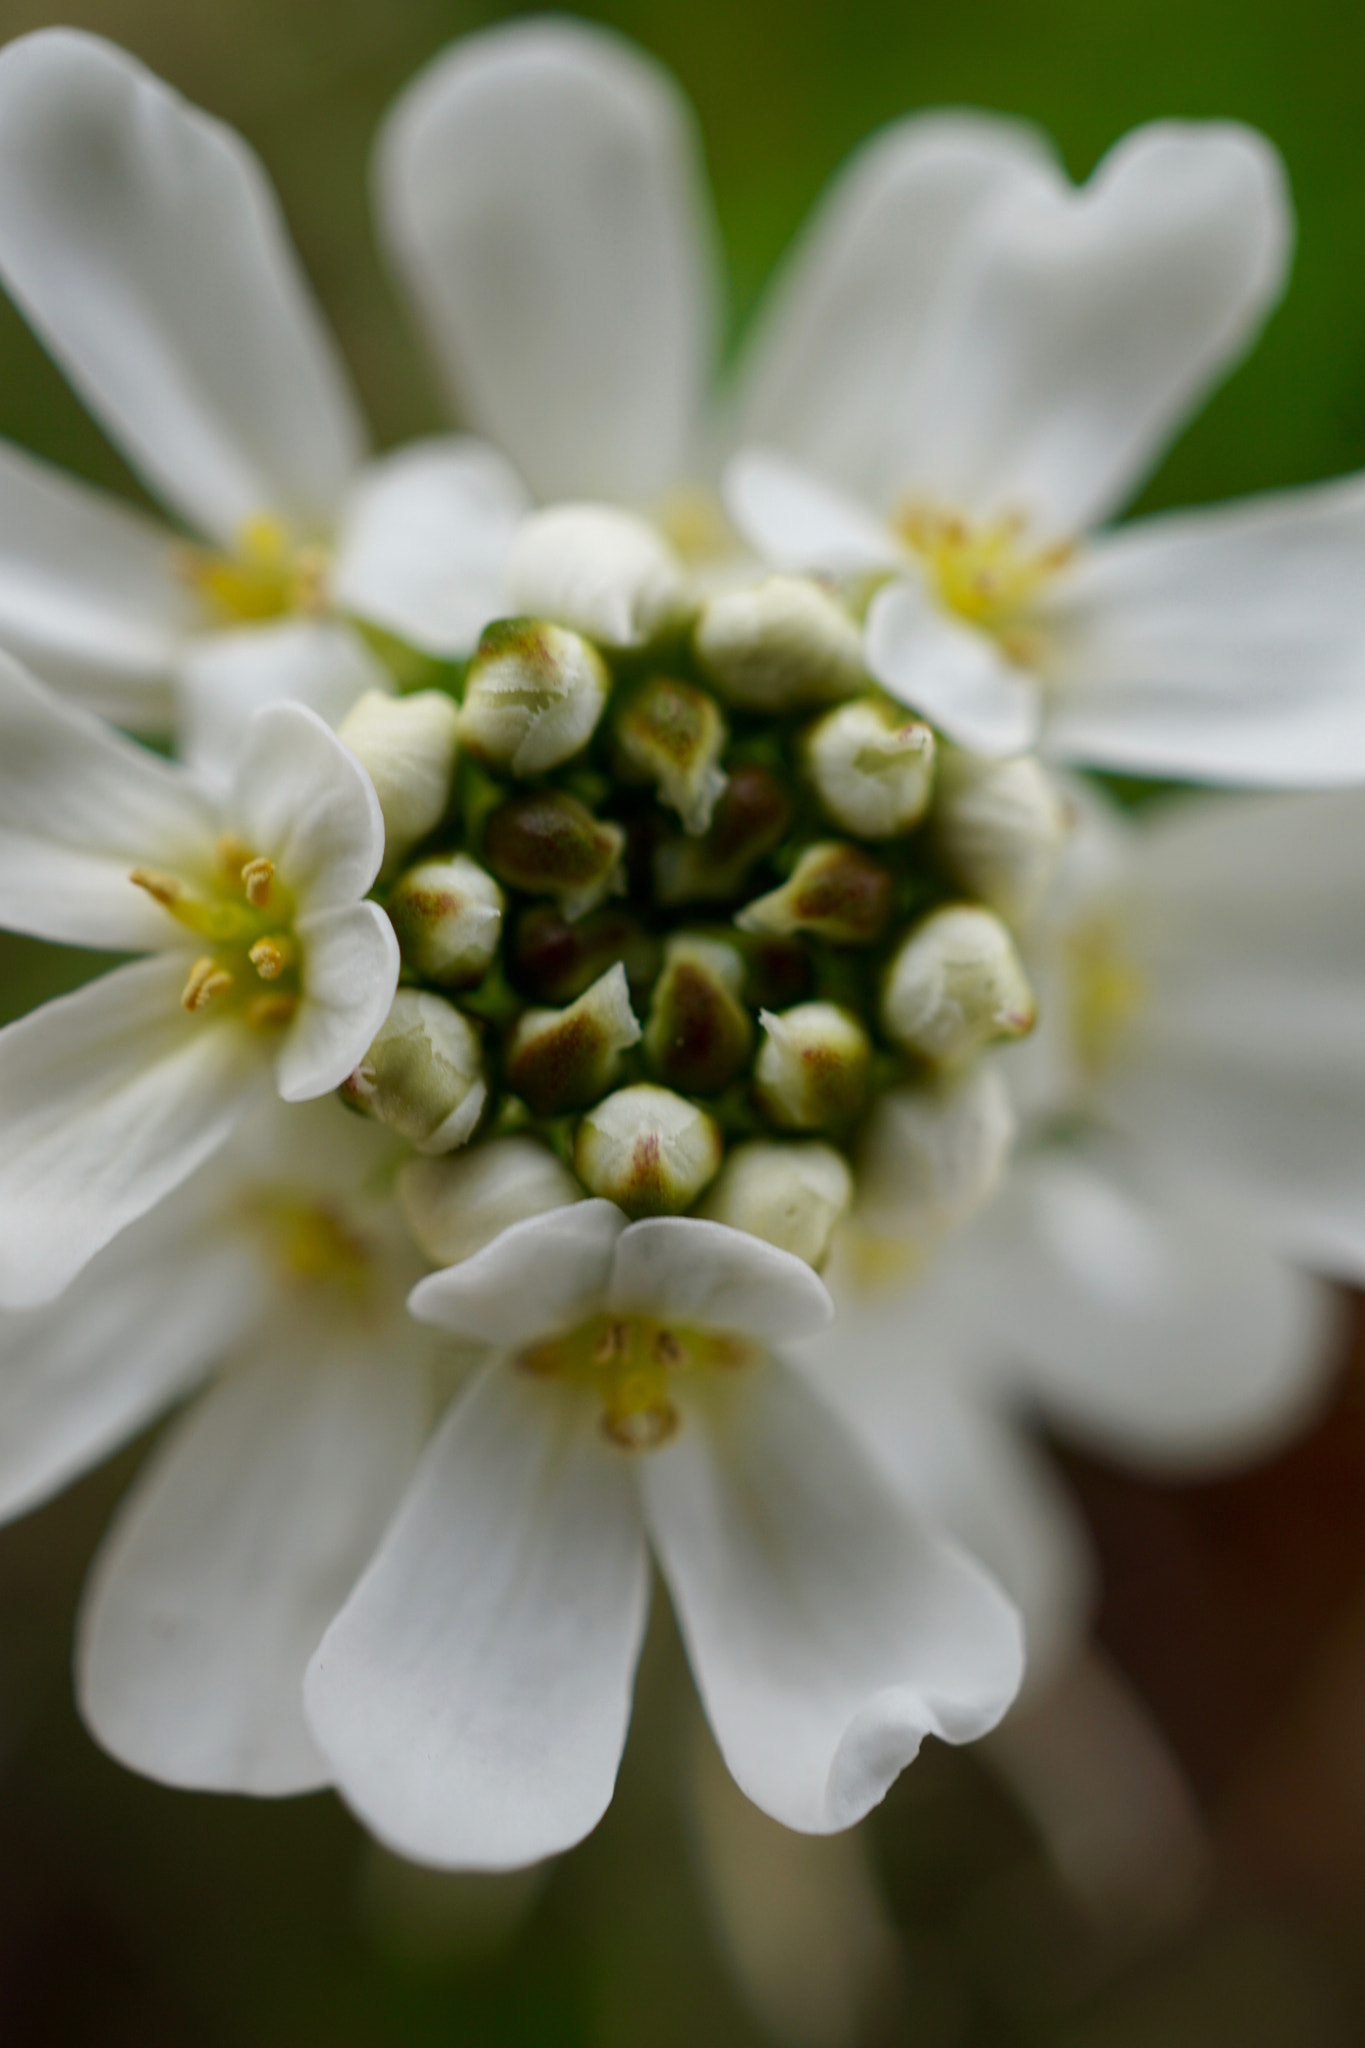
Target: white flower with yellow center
[968, 366]
[472, 1695]
[143, 244]
[263, 958]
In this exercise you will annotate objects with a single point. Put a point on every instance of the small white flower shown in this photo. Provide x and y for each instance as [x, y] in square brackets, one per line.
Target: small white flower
[263, 956]
[472, 1695]
[143, 244]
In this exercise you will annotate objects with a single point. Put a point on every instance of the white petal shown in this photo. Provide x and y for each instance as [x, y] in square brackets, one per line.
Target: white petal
[110, 1098]
[1085, 326]
[424, 536]
[144, 1321]
[142, 241]
[950, 672]
[224, 679]
[301, 797]
[472, 1695]
[829, 1632]
[839, 335]
[536, 1277]
[1158, 1329]
[1245, 1066]
[1227, 645]
[79, 807]
[796, 521]
[349, 974]
[542, 194]
[687, 1270]
[89, 597]
[232, 1554]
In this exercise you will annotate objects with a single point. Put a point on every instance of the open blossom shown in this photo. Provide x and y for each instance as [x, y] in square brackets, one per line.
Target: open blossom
[262, 958]
[473, 1693]
[142, 242]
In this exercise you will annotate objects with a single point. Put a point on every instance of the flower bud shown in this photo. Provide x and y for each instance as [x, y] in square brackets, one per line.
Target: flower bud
[456, 1205]
[563, 1059]
[931, 1155]
[406, 745]
[448, 917]
[672, 734]
[1000, 827]
[835, 892]
[872, 767]
[793, 1195]
[751, 817]
[647, 1150]
[548, 844]
[605, 572]
[532, 697]
[779, 643]
[955, 984]
[812, 1068]
[423, 1075]
[550, 960]
[699, 1035]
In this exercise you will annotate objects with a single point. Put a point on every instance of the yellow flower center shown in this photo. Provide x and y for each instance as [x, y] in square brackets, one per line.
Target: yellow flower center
[1106, 990]
[267, 576]
[986, 573]
[633, 1364]
[245, 915]
[312, 1245]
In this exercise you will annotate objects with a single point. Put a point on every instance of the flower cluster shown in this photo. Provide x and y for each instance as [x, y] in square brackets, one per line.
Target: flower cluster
[660, 876]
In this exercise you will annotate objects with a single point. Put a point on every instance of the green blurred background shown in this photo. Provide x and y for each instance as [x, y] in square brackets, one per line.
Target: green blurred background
[133, 1915]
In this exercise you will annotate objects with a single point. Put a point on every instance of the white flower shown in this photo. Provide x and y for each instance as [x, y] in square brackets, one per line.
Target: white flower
[262, 956]
[279, 1274]
[968, 366]
[472, 1695]
[143, 244]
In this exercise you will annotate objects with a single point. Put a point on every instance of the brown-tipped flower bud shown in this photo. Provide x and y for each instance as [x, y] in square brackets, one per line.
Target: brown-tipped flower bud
[447, 914]
[423, 1075]
[834, 892]
[780, 643]
[872, 766]
[605, 572]
[792, 1194]
[672, 734]
[550, 960]
[751, 817]
[956, 984]
[1000, 827]
[549, 844]
[930, 1156]
[699, 1035]
[456, 1205]
[532, 697]
[647, 1150]
[564, 1059]
[407, 746]
[812, 1068]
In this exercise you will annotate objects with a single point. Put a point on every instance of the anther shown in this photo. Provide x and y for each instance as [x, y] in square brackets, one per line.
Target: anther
[270, 1012]
[166, 889]
[257, 877]
[270, 956]
[207, 981]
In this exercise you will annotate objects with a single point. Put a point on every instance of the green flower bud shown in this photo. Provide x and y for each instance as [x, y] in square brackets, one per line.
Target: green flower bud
[407, 746]
[1000, 827]
[699, 1035]
[793, 1195]
[548, 844]
[456, 1205]
[423, 1074]
[751, 817]
[835, 892]
[781, 643]
[812, 1068]
[551, 961]
[533, 695]
[872, 766]
[563, 1059]
[956, 984]
[447, 914]
[672, 734]
[648, 1150]
[605, 572]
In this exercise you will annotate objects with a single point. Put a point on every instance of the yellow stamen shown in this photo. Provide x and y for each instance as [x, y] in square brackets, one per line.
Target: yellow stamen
[1107, 989]
[987, 573]
[207, 982]
[266, 576]
[166, 889]
[269, 1012]
[270, 956]
[257, 877]
[631, 1363]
